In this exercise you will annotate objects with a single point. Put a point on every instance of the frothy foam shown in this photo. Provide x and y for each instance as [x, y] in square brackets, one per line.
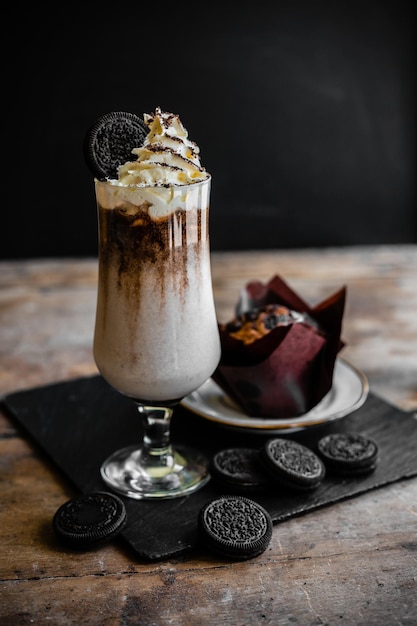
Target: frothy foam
[157, 202]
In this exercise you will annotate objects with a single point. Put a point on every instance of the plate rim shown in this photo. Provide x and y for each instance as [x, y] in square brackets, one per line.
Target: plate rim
[299, 422]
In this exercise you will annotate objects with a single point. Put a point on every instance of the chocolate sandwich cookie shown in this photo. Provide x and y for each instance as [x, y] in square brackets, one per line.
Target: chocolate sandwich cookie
[291, 464]
[89, 520]
[234, 526]
[348, 453]
[109, 142]
[239, 469]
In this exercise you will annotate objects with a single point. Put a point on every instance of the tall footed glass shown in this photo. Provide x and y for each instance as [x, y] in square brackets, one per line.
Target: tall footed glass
[156, 336]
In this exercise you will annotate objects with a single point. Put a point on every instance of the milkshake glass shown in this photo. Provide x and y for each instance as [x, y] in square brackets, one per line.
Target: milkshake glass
[156, 335]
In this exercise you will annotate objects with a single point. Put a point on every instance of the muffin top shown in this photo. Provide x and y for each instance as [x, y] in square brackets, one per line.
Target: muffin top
[256, 323]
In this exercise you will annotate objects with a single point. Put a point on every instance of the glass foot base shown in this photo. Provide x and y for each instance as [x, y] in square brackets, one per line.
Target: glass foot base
[182, 472]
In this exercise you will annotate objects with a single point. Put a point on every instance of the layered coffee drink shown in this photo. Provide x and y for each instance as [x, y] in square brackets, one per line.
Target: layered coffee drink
[156, 335]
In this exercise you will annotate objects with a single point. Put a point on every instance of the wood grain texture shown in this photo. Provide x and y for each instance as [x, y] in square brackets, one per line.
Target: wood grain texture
[79, 423]
[352, 563]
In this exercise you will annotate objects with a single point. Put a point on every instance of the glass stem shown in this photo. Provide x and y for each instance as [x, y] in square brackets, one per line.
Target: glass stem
[157, 451]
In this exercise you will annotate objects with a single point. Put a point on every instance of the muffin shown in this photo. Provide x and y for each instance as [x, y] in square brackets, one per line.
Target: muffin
[278, 353]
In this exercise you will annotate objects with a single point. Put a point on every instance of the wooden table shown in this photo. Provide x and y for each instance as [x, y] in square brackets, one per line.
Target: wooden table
[351, 563]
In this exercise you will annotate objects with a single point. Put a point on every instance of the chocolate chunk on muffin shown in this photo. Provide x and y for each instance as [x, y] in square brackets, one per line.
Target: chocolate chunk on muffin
[257, 323]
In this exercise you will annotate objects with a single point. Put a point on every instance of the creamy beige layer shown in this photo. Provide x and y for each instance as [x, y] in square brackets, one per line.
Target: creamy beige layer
[156, 335]
[158, 342]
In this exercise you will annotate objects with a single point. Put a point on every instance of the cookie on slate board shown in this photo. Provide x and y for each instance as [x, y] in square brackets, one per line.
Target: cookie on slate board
[89, 520]
[110, 140]
[291, 464]
[348, 454]
[235, 527]
[239, 469]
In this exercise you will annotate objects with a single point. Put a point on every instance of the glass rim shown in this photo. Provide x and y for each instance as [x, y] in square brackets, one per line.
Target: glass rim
[113, 182]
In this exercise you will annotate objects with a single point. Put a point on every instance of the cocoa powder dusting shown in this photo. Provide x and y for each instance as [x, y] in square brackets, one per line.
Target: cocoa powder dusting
[132, 243]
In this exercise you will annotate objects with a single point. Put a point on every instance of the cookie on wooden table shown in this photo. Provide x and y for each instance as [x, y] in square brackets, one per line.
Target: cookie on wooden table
[89, 520]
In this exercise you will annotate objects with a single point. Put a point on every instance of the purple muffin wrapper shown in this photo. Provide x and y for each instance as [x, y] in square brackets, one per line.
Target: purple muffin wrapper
[288, 371]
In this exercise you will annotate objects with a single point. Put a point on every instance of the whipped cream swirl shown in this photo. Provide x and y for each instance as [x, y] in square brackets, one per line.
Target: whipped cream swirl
[167, 157]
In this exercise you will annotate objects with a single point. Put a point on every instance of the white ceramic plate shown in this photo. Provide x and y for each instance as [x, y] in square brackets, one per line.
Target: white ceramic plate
[349, 391]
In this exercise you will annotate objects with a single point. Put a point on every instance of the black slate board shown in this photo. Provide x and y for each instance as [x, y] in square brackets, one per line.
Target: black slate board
[78, 423]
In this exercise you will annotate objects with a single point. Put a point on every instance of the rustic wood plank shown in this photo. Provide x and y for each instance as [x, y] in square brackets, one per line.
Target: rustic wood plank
[352, 573]
[351, 563]
[32, 490]
[47, 311]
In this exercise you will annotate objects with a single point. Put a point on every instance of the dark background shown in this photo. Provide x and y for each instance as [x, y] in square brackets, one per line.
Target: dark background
[303, 110]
